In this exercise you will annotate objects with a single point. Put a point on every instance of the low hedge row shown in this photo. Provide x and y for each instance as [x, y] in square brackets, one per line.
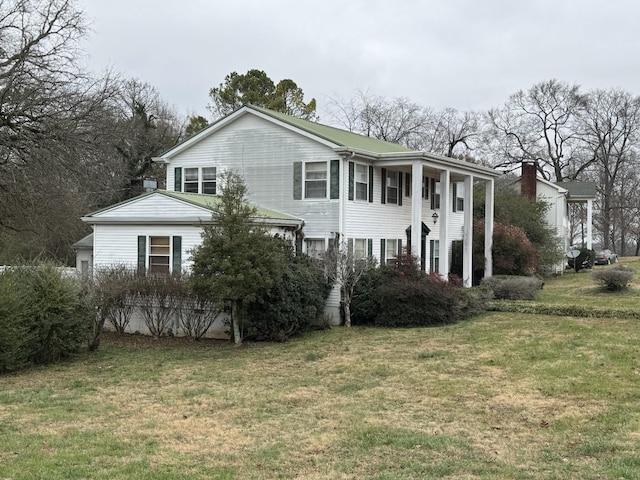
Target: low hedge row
[560, 310]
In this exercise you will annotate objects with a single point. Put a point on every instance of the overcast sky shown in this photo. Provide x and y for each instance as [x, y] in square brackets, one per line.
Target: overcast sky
[466, 54]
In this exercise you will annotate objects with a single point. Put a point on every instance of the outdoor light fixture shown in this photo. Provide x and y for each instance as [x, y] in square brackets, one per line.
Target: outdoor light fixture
[435, 217]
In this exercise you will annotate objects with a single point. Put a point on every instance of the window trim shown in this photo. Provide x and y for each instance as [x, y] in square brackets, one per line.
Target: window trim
[306, 180]
[390, 175]
[186, 184]
[458, 200]
[151, 255]
[316, 254]
[366, 183]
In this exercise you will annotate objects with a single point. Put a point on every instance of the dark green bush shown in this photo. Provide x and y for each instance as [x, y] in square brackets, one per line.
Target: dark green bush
[292, 306]
[44, 316]
[614, 278]
[513, 287]
[402, 296]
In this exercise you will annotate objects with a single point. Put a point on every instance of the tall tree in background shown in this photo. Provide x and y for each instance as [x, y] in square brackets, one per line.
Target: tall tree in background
[195, 124]
[256, 88]
[48, 112]
[399, 120]
[541, 125]
[612, 132]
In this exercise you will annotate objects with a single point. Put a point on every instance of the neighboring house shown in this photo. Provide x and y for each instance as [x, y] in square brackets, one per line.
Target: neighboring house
[374, 195]
[560, 196]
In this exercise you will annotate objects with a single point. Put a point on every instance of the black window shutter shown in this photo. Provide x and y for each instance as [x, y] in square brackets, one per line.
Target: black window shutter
[370, 184]
[383, 251]
[351, 179]
[297, 180]
[177, 254]
[370, 247]
[335, 180]
[407, 184]
[383, 192]
[399, 246]
[350, 246]
[142, 253]
[400, 189]
[177, 179]
[433, 194]
[454, 188]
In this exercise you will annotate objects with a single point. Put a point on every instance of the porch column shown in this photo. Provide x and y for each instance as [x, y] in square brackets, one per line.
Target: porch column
[467, 243]
[590, 224]
[445, 208]
[488, 229]
[416, 208]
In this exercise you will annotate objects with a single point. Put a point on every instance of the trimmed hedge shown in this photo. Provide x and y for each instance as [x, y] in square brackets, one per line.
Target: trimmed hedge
[560, 310]
[614, 278]
[512, 287]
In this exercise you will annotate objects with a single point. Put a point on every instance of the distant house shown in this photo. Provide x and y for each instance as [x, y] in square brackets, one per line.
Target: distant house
[313, 183]
[559, 196]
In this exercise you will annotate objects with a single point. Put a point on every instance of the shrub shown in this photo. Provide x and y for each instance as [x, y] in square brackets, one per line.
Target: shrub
[293, 305]
[195, 315]
[508, 287]
[44, 317]
[472, 301]
[365, 304]
[615, 278]
[114, 295]
[416, 300]
[158, 297]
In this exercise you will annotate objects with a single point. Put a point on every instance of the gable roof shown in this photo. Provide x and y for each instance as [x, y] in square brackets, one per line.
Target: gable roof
[580, 190]
[341, 138]
[194, 208]
[335, 137]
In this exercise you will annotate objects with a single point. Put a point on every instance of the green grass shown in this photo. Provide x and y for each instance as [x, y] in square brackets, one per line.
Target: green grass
[502, 396]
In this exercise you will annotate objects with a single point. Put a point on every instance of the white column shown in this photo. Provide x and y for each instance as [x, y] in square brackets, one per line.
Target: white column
[416, 208]
[590, 224]
[443, 220]
[467, 243]
[488, 229]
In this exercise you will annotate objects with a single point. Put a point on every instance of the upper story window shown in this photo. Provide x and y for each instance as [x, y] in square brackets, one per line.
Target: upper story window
[392, 187]
[458, 197]
[191, 180]
[209, 180]
[195, 180]
[362, 182]
[435, 194]
[315, 180]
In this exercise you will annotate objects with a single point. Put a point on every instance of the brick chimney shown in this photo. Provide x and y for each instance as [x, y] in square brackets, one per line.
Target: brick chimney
[528, 180]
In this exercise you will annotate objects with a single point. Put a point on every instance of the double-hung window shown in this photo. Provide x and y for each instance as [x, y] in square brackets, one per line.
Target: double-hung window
[458, 197]
[191, 180]
[362, 182]
[391, 252]
[435, 256]
[315, 180]
[360, 248]
[196, 180]
[208, 180]
[392, 187]
[435, 194]
[315, 247]
[159, 254]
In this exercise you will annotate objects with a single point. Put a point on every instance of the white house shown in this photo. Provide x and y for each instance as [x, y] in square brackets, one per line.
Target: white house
[559, 197]
[313, 182]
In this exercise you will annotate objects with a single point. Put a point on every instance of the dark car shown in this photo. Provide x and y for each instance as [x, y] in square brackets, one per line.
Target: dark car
[605, 257]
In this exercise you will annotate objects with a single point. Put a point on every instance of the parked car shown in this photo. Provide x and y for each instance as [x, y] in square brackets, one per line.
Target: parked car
[605, 257]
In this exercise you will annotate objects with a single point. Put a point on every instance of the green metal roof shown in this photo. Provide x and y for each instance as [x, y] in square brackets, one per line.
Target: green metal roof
[207, 201]
[578, 190]
[86, 242]
[338, 136]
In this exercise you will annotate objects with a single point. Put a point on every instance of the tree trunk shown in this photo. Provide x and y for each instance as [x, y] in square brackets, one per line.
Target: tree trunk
[237, 338]
[347, 312]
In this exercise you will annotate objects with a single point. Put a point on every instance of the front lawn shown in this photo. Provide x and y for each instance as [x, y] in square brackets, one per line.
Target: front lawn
[500, 397]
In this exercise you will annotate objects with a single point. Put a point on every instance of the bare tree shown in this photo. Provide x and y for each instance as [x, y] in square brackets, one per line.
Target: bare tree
[612, 131]
[540, 125]
[345, 269]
